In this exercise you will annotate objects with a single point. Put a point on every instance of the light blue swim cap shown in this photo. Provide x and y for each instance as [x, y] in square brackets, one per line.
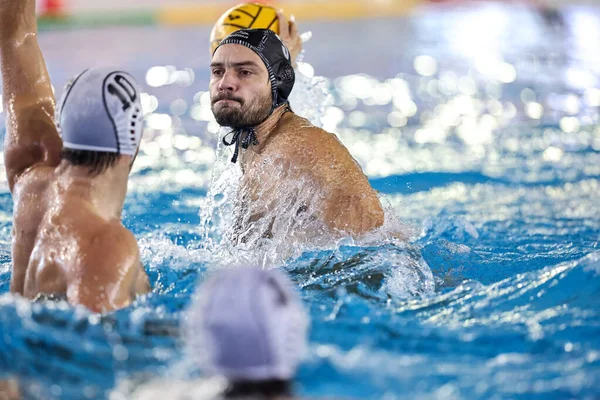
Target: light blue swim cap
[101, 111]
[247, 324]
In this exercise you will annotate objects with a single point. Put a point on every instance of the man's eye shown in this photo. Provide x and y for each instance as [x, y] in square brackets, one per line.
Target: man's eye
[217, 72]
[245, 72]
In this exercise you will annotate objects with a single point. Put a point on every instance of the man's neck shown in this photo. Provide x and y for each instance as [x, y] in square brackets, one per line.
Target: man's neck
[267, 127]
[105, 191]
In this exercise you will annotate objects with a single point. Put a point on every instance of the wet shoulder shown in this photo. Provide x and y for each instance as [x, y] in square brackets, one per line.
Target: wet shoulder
[300, 138]
[72, 215]
[35, 181]
[105, 277]
[111, 240]
[68, 227]
[73, 224]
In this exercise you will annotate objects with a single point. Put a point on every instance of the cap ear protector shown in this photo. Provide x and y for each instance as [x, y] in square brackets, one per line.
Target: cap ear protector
[101, 110]
[285, 78]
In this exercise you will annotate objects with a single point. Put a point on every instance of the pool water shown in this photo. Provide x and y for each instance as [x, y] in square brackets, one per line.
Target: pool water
[477, 125]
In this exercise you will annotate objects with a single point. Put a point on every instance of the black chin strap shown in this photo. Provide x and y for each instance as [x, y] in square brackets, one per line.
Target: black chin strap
[248, 137]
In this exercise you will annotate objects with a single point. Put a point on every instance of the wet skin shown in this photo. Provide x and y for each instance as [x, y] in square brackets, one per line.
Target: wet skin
[291, 149]
[67, 232]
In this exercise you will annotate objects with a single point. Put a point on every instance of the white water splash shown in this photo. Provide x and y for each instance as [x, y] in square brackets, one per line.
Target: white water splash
[176, 389]
[592, 263]
[408, 277]
[310, 97]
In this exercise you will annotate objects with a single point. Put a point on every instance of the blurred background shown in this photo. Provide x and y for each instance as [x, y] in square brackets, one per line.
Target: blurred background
[428, 73]
[476, 121]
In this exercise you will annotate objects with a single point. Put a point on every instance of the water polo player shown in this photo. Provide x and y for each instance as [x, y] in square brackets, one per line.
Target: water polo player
[311, 97]
[249, 326]
[282, 155]
[247, 331]
[68, 239]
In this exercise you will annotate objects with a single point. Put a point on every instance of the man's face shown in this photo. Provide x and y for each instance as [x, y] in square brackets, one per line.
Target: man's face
[240, 90]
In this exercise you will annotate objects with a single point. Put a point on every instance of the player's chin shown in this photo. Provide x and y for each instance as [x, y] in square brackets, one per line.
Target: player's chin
[227, 116]
[221, 107]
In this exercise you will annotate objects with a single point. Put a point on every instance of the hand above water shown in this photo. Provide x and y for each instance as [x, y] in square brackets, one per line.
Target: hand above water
[288, 32]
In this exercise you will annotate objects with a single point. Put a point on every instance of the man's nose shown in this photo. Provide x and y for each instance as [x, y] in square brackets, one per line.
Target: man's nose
[229, 82]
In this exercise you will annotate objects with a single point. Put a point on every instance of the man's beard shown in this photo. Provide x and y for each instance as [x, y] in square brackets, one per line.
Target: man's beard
[239, 117]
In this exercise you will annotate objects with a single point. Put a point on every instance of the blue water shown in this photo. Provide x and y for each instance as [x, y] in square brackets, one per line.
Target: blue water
[501, 200]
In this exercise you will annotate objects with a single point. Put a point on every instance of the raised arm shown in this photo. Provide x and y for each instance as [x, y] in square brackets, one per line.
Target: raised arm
[288, 32]
[31, 135]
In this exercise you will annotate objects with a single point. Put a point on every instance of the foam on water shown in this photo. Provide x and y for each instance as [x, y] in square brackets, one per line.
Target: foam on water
[282, 233]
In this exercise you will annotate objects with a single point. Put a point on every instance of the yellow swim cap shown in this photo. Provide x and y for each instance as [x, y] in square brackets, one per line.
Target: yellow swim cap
[247, 15]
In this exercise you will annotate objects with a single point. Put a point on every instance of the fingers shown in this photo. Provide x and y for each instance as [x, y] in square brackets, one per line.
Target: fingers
[288, 31]
[293, 27]
[284, 28]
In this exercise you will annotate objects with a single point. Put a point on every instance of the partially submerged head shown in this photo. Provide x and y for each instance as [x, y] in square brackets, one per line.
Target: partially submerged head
[251, 75]
[248, 326]
[100, 120]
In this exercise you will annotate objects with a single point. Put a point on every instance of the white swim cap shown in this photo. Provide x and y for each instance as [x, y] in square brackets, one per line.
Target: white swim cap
[247, 324]
[101, 111]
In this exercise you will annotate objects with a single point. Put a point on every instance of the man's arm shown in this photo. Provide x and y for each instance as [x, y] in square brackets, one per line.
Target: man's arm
[351, 204]
[354, 213]
[31, 136]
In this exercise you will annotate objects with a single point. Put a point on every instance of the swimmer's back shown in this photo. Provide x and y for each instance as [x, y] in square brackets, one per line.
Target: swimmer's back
[68, 187]
[63, 247]
[31, 201]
